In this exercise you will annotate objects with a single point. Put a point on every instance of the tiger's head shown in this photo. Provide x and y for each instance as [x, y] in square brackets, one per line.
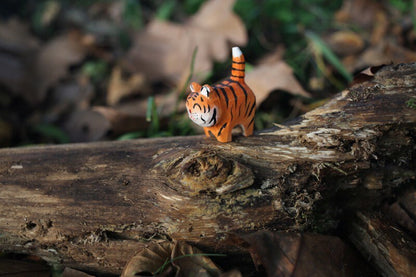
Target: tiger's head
[201, 106]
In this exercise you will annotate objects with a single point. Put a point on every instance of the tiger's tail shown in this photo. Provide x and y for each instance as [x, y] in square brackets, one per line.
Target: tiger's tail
[238, 66]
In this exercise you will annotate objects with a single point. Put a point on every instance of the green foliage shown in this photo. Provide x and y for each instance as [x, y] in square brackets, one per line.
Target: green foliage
[97, 70]
[264, 120]
[51, 132]
[45, 12]
[188, 79]
[165, 11]
[192, 6]
[411, 103]
[183, 127]
[270, 22]
[320, 49]
[152, 116]
[132, 14]
[131, 135]
[404, 6]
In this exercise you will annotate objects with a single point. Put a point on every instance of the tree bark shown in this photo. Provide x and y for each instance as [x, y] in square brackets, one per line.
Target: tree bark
[93, 205]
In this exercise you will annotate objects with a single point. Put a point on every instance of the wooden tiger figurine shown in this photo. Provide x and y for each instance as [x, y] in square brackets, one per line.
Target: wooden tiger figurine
[221, 107]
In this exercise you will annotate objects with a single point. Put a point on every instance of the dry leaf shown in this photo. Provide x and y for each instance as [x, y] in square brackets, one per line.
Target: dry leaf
[401, 217]
[194, 265]
[67, 96]
[346, 43]
[408, 202]
[165, 103]
[9, 267]
[232, 273]
[386, 52]
[366, 75]
[368, 14]
[33, 69]
[70, 272]
[403, 211]
[300, 255]
[6, 133]
[360, 12]
[273, 74]
[119, 88]
[52, 64]
[16, 45]
[12, 71]
[384, 43]
[87, 125]
[151, 259]
[15, 36]
[122, 122]
[130, 116]
[217, 23]
[163, 51]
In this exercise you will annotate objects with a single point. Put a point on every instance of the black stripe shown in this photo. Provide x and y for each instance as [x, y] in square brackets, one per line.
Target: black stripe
[209, 108]
[239, 62]
[242, 88]
[225, 95]
[202, 99]
[235, 95]
[214, 115]
[251, 122]
[238, 69]
[196, 104]
[251, 110]
[203, 120]
[242, 77]
[205, 110]
[247, 108]
[216, 91]
[222, 127]
[232, 116]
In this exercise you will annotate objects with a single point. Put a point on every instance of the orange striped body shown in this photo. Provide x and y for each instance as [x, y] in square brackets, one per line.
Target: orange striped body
[225, 105]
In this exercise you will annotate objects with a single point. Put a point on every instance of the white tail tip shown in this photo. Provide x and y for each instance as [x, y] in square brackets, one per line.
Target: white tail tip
[237, 52]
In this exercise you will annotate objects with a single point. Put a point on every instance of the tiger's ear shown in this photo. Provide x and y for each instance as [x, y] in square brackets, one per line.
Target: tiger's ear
[195, 87]
[205, 91]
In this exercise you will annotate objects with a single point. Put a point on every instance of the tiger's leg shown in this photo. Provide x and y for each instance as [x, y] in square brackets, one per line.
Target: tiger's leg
[224, 133]
[207, 133]
[248, 127]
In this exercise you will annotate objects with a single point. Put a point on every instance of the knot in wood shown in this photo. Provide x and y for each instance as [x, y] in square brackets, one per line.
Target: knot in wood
[206, 171]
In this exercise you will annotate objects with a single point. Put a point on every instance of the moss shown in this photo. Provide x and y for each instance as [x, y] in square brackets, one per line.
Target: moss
[411, 103]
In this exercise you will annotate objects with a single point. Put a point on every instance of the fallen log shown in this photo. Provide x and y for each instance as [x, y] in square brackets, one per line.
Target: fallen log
[94, 205]
[390, 250]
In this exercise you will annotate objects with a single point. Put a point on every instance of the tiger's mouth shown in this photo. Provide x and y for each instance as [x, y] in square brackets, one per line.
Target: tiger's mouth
[207, 119]
[199, 119]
